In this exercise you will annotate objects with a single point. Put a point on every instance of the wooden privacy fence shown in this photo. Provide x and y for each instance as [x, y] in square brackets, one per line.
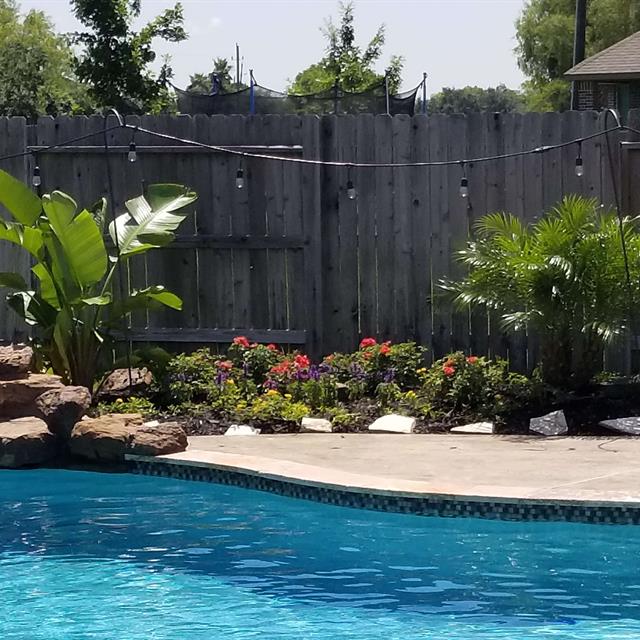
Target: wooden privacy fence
[291, 258]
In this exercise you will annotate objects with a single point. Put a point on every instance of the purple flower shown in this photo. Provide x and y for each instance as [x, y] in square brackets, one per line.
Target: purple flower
[245, 369]
[324, 368]
[269, 383]
[357, 372]
[302, 375]
[314, 372]
[221, 378]
[388, 375]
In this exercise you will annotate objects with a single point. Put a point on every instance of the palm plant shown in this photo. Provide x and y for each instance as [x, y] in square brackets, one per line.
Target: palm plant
[564, 277]
[72, 303]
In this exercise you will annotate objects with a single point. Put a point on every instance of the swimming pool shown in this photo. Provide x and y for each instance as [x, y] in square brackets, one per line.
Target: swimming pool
[104, 556]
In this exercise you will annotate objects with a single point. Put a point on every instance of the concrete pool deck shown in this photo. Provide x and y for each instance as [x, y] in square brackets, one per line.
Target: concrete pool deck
[515, 468]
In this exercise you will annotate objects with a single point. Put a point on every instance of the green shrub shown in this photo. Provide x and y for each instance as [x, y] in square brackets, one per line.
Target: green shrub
[144, 406]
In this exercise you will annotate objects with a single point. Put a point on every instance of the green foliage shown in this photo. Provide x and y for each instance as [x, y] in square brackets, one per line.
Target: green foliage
[115, 60]
[255, 360]
[189, 377]
[317, 394]
[202, 82]
[72, 304]
[272, 406]
[143, 406]
[472, 99]
[345, 63]
[475, 386]
[545, 32]
[36, 67]
[564, 277]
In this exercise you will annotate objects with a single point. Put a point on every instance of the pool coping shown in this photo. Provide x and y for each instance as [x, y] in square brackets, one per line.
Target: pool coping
[313, 483]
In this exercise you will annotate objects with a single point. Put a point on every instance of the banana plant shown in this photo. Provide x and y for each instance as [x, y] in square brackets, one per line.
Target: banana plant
[70, 300]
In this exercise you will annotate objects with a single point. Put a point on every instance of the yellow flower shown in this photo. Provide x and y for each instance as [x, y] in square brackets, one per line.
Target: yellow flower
[119, 400]
[423, 370]
[231, 381]
[272, 392]
[410, 394]
[288, 396]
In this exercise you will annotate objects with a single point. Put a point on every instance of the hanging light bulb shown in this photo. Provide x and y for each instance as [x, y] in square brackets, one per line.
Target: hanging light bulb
[464, 187]
[351, 190]
[579, 165]
[36, 180]
[240, 179]
[132, 155]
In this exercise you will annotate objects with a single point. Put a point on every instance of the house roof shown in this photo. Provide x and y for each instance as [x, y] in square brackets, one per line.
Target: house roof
[620, 61]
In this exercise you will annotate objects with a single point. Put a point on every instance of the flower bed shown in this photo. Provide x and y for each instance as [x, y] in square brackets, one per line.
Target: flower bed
[271, 389]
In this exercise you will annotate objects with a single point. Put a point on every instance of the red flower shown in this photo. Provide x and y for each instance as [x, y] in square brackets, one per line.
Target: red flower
[241, 341]
[367, 355]
[329, 358]
[225, 364]
[272, 347]
[385, 349]
[367, 342]
[302, 361]
[448, 371]
[281, 368]
[472, 359]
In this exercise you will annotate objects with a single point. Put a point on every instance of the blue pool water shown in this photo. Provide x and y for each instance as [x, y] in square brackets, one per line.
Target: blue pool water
[96, 556]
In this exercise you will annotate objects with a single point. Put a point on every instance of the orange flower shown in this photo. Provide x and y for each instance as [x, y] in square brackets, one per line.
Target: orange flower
[225, 364]
[385, 349]
[367, 342]
[449, 363]
[448, 371]
[472, 359]
[241, 341]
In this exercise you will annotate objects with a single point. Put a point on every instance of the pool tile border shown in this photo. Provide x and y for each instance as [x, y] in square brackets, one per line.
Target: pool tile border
[422, 505]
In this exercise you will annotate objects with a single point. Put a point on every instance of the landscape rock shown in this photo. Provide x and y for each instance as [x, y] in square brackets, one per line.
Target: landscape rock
[15, 361]
[315, 425]
[629, 425]
[26, 442]
[158, 440]
[116, 384]
[18, 397]
[62, 408]
[241, 430]
[393, 423]
[552, 424]
[476, 427]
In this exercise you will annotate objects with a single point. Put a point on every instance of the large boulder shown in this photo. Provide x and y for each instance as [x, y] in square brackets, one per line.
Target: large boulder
[111, 436]
[117, 384]
[25, 442]
[62, 408]
[15, 361]
[18, 397]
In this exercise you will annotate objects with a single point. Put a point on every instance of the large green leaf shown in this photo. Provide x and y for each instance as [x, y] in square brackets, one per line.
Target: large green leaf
[13, 281]
[80, 238]
[33, 309]
[29, 238]
[47, 287]
[17, 197]
[153, 297]
[151, 221]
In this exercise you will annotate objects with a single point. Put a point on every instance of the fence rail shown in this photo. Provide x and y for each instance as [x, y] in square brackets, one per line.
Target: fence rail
[291, 257]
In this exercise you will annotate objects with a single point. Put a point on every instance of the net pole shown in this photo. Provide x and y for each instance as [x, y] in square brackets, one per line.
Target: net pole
[424, 92]
[252, 95]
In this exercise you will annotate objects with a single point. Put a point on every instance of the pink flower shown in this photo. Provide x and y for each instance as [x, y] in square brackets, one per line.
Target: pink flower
[272, 347]
[385, 348]
[302, 361]
[448, 371]
[225, 364]
[241, 341]
[472, 359]
[367, 342]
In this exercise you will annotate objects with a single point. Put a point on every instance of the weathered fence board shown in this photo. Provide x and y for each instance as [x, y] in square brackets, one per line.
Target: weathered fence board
[291, 256]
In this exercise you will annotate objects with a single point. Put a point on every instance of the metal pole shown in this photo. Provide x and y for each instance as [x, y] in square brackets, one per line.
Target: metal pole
[237, 65]
[424, 92]
[578, 46]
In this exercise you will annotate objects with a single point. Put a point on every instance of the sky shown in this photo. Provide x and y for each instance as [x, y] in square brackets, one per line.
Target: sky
[456, 42]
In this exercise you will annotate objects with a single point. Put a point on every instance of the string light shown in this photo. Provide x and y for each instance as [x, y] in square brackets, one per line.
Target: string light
[464, 183]
[351, 190]
[579, 165]
[132, 155]
[239, 178]
[36, 180]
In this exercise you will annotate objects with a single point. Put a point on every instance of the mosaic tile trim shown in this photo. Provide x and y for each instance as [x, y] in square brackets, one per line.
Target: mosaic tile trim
[422, 506]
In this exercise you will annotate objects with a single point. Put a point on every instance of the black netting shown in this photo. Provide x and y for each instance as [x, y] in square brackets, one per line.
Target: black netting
[333, 101]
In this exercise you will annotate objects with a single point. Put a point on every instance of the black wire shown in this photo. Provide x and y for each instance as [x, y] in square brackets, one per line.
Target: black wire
[116, 239]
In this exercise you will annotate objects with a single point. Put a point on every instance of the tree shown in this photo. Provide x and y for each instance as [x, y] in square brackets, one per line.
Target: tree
[203, 83]
[115, 59]
[470, 99]
[345, 63]
[36, 70]
[545, 33]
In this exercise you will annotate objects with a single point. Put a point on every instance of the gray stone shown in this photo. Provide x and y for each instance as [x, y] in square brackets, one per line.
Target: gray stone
[15, 361]
[629, 425]
[62, 408]
[241, 430]
[476, 427]
[552, 424]
[315, 425]
[26, 442]
[393, 423]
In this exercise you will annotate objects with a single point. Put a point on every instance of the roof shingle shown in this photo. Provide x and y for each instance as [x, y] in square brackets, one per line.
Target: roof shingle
[620, 61]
